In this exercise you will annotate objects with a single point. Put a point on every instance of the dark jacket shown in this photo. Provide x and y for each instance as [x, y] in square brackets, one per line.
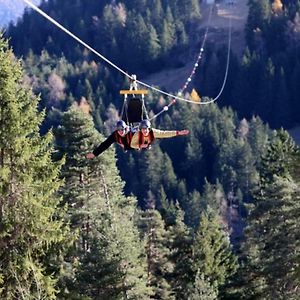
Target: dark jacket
[123, 141]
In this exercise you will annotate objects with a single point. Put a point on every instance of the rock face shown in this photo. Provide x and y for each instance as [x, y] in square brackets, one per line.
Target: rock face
[10, 10]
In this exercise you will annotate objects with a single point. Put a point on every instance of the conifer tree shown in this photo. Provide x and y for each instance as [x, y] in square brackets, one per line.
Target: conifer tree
[167, 37]
[259, 14]
[167, 208]
[180, 242]
[157, 13]
[158, 255]
[192, 208]
[202, 289]
[270, 269]
[212, 252]
[190, 10]
[32, 234]
[108, 252]
[258, 138]
[153, 45]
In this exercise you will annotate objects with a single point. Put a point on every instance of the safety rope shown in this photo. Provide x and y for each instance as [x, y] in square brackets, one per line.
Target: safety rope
[196, 65]
[174, 97]
[193, 72]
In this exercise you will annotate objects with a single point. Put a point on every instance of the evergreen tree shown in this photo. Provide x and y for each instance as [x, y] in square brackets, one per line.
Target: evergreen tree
[258, 138]
[265, 89]
[153, 44]
[157, 13]
[107, 257]
[190, 10]
[259, 14]
[236, 166]
[212, 253]
[181, 33]
[159, 265]
[33, 234]
[167, 37]
[270, 267]
[202, 289]
[192, 208]
[279, 157]
[180, 244]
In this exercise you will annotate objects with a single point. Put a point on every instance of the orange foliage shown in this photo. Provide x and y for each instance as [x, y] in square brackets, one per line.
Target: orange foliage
[277, 6]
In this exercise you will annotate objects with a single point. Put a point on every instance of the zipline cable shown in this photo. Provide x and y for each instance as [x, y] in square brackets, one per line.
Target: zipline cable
[38, 10]
[199, 57]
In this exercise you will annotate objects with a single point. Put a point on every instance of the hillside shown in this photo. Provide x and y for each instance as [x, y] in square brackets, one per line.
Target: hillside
[173, 79]
[10, 10]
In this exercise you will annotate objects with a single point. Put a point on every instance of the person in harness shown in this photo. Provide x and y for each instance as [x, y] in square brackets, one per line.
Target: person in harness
[143, 138]
[122, 136]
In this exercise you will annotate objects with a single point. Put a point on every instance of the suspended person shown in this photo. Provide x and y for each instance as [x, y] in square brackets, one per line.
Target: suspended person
[143, 138]
[122, 136]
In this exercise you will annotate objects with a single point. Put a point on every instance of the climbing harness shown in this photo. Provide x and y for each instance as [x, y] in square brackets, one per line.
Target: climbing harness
[119, 139]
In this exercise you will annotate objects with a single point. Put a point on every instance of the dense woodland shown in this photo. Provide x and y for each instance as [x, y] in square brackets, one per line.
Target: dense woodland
[213, 215]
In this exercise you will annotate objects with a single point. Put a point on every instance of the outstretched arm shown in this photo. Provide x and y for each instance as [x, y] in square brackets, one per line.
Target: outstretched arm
[163, 134]
[102, 147]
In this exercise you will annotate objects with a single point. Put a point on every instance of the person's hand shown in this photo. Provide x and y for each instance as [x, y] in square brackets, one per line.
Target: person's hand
[90, 155]
[183, 132]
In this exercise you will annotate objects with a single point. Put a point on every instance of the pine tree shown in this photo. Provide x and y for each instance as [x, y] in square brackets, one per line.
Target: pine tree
[33, 233]
[180, 242]
[153, 45]
[212, 252]
[259, 14]
[190, 10]
[270, 269]
[107, 257]
[202, 289]
[156, 13]
[279, 157]
[192, 208]
[213, 197]
[159, 264]
[236, 166]
[167, 37]
[258, 138]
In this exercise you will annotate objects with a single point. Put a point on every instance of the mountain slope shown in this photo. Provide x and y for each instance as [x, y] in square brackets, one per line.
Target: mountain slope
[173, 79]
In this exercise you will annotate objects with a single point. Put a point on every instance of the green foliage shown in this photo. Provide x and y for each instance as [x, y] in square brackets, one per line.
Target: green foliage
[279, 157]
[106, 260]
[202, 289]
[270, 269]
[212, 252]
[180, 243]
[259, 14]
[158, 264]
[31, 213]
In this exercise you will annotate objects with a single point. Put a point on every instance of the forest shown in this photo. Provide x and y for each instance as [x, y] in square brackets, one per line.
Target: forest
[211, 215]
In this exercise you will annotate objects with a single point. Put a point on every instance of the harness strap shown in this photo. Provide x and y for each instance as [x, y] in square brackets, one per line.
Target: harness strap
[142, 139]
[119, 139]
